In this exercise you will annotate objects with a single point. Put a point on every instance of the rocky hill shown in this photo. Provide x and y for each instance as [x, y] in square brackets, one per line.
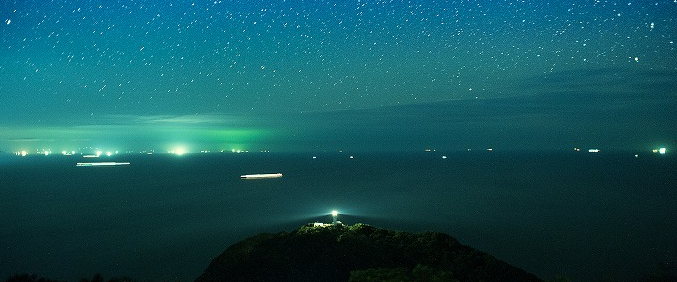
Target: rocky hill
[357, 253]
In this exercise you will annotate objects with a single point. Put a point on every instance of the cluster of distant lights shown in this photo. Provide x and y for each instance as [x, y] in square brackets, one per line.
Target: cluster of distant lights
[48, 152]
[176, 151]
[661, 151]
[182, 151]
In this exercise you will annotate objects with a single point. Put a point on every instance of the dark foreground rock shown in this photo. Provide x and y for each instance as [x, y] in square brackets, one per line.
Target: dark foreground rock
[357, 253]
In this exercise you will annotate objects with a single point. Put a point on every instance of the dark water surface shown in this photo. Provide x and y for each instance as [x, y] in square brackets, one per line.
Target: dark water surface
[164, 217]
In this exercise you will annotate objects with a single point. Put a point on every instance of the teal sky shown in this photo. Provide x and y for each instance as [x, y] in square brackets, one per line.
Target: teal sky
[330, 75]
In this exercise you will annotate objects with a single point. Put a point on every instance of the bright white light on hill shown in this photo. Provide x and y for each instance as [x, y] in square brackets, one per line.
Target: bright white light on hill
[662, 151]
[334, 217]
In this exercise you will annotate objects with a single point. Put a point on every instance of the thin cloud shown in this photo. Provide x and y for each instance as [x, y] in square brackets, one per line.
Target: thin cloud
[201, 119]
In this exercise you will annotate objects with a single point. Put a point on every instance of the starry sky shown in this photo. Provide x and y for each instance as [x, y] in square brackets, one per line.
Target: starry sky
[301, 75]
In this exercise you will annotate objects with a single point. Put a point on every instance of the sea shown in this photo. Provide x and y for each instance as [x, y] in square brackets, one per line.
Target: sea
[585, 216]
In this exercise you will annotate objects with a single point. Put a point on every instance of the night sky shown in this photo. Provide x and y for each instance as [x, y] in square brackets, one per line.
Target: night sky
[337, 75]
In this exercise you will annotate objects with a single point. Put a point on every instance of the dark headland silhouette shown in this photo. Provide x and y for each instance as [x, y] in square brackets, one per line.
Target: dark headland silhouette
[357, 253]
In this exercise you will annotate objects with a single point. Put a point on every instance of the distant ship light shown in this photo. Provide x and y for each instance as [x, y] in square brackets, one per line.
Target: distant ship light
[102, 164]
[261, 176]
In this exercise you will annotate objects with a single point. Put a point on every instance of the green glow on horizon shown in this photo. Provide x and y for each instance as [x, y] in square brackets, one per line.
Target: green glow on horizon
[130, 137]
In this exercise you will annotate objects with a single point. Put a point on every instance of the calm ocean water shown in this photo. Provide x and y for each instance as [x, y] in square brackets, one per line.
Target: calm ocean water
[164, 217]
